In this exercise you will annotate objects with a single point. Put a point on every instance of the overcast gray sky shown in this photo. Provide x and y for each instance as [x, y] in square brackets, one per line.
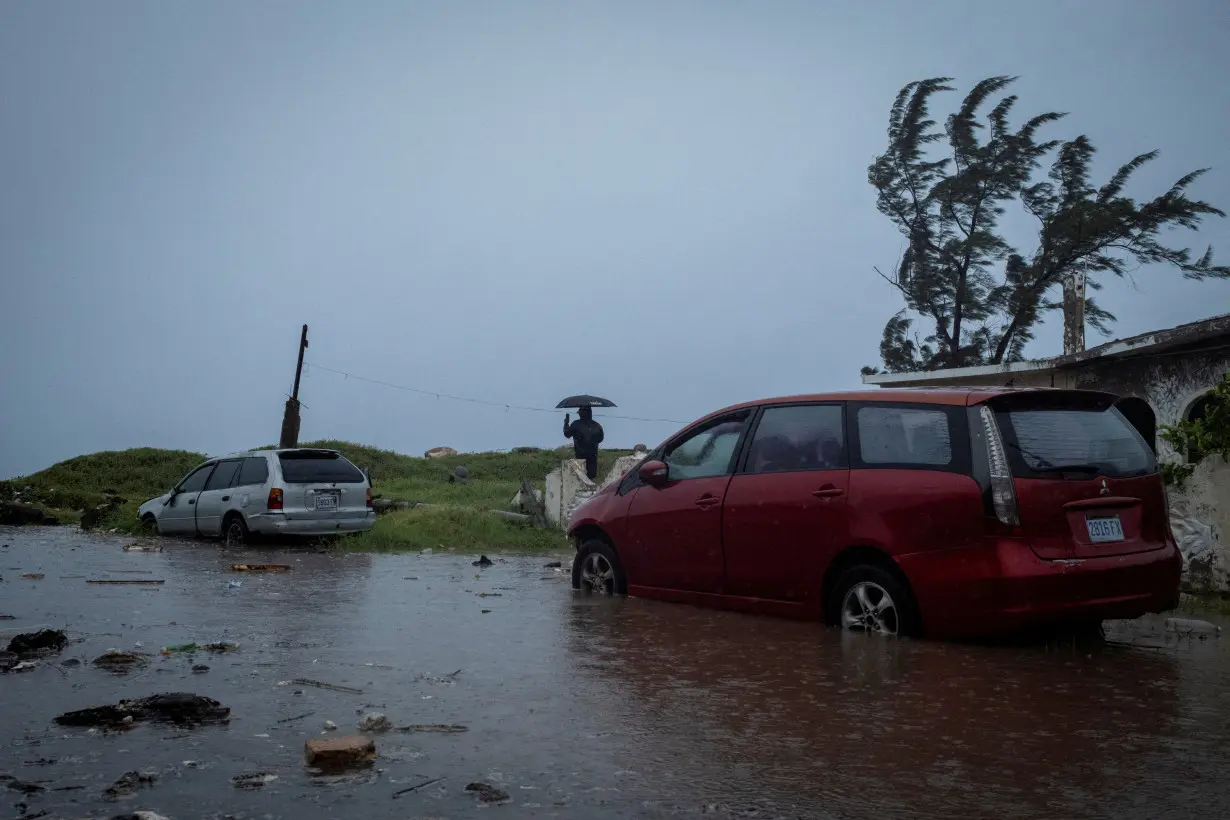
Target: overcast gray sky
[663, 203]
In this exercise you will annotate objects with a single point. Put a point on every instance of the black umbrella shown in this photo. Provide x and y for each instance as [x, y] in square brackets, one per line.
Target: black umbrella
[584, 401]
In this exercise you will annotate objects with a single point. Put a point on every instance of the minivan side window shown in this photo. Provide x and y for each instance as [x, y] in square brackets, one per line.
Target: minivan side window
[222, 477]
[905, 436]
[798, 437]
[707, 452]
[254, 471]
[196, 481]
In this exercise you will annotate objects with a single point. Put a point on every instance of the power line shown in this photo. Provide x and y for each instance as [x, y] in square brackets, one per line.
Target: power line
[471, 400]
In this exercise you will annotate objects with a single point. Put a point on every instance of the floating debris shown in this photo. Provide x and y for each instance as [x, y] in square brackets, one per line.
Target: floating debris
[199, 669]
[488, 793]
[221, 647]
[120, 662]
[33, 576]
[137, 546]
[180, 647]
[442, 728]
[483, 561]
[173, 707]
[32, 643]
[329, 726]
[26, 787]
[322, 685]
[416, 787]
[552, 565]
[261, 567]
[253, 780]
[128, 783]
[148, 581]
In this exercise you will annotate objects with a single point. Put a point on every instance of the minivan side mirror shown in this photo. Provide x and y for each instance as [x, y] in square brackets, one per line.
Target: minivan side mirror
[655, 473]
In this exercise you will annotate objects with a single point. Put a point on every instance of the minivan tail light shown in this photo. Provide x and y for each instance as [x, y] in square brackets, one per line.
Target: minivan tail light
[275, 498]
[369, 498]
[1003, 493]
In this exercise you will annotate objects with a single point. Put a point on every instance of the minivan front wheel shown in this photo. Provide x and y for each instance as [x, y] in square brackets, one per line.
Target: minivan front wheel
[869, 599]
[597, 568]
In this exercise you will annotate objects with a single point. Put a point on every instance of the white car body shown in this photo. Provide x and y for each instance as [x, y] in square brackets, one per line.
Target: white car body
[320, 493]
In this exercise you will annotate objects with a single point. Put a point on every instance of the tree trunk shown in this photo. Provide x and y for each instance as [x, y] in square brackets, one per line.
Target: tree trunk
[1074, 312]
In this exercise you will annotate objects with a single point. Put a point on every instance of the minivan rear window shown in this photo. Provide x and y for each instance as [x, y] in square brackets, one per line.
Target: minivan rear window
[1063, 443]
[319, 468]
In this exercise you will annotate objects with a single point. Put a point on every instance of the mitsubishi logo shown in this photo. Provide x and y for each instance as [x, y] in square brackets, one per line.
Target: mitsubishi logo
[1105, 488]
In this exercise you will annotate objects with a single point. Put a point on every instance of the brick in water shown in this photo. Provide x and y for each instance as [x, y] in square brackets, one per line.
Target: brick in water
[339, 752]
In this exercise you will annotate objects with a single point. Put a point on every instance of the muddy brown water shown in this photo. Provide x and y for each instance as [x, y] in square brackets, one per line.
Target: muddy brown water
[579, 707]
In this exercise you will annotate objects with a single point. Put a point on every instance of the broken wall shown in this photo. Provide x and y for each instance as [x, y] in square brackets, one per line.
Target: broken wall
[1170, 383]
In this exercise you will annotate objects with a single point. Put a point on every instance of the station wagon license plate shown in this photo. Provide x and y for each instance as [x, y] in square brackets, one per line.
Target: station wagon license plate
[1103, 530]
[326, 501]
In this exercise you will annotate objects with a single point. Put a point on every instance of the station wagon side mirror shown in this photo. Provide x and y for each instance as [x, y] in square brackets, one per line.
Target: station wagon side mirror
[655, 473]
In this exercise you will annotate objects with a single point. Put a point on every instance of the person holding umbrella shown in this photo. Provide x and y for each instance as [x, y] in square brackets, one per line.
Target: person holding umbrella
[586, 434]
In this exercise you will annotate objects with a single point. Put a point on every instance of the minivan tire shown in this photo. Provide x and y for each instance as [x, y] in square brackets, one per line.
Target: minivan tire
[235, 532]
[597, 558]
[876, 581]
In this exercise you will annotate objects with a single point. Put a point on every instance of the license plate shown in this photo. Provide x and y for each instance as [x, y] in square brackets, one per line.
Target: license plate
[1102, 530]
[326, 501]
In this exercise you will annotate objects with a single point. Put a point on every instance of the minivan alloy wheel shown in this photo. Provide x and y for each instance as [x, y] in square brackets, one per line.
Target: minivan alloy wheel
[597, 574]
[869, 607]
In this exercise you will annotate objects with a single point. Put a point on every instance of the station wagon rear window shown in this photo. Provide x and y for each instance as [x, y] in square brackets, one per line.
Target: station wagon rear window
[319, 468]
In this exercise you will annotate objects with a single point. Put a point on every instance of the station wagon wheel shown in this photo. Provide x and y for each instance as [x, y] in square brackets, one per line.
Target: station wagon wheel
[868, 598]
[235, 533]
[597, 569]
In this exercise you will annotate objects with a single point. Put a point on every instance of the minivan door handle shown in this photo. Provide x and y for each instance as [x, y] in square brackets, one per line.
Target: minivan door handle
[827, 491]
[707, 501]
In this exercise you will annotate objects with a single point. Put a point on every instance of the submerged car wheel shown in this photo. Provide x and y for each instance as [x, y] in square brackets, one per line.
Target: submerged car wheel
[597, 569]
[149, 525]
[869, 599]
[236, 532]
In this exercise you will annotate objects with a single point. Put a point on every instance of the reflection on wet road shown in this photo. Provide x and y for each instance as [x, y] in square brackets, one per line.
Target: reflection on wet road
[578, 707]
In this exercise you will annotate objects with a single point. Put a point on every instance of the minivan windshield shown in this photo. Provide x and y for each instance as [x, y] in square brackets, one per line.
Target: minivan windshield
[318, 468]
[1078, 443]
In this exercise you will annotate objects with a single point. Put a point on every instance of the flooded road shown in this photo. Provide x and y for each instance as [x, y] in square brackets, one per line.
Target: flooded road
[576, 707]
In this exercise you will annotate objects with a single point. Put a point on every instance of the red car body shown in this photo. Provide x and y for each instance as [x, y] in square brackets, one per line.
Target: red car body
[978, 553]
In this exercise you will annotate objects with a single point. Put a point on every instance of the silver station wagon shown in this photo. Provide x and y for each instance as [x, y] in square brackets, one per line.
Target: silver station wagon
[269, 492]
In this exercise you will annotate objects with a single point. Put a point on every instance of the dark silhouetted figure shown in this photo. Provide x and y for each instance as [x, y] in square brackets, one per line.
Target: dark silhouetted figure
[586, 435]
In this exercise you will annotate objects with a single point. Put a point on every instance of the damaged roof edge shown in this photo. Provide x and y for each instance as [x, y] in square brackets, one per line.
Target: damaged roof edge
[1190, 333]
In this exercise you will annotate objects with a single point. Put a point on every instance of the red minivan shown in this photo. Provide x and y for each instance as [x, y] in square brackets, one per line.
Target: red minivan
[955, 512]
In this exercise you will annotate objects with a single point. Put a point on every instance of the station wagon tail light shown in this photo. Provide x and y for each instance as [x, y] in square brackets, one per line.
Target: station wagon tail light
[1003, 494]
[369, 498]
[275, 498]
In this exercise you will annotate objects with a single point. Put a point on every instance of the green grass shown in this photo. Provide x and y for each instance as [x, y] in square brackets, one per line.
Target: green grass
[448, 528]
[89, 481]
[459, 518]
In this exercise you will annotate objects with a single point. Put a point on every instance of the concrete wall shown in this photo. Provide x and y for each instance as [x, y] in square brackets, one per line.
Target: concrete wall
[1200, 512]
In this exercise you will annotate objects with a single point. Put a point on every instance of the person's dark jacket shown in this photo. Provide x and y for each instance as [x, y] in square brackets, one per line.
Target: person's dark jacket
[586, 435]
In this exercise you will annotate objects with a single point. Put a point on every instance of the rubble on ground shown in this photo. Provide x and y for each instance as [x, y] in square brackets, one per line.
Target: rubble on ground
[180, 708]
[374, 722]
[339, 752]
[487, 793]
[120, 662]
[128, 783]
[33, 643]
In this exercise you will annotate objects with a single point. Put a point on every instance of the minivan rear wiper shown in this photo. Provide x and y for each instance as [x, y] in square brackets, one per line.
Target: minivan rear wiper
[1069, 468]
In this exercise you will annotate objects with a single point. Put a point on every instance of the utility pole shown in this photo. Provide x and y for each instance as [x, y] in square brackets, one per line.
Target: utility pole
[1074, 312]
[290, 418]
